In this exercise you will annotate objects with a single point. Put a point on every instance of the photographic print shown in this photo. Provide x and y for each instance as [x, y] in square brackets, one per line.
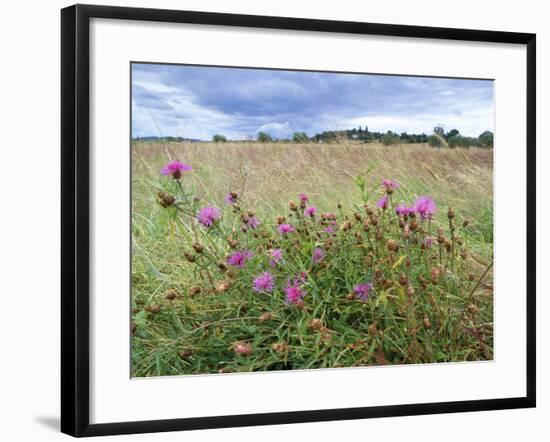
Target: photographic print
[296, 220]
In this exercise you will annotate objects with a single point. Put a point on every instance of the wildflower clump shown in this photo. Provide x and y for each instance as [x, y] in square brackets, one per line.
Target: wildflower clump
[384, 279]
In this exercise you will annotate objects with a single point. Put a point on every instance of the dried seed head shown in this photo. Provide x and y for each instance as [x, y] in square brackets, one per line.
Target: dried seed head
[346, 226]
[266, 316]
[166, 199]
[232, 243]
[473, 309]
[339, 206]
[171, 294]
[190, 257]
[413, 225]
[440, 239]
[450, 213]
[410, 290]
[392, 245]
[230, 274]
[374, 220]
[184, 354]
[242, 348]
[223, 286]
[153, 308]
[194, 290]
[357, 216]
[198, 247]
[279, 347]
[427, 323]
[465, 223]
[222, 266]
[315, 324]
[373, 329]
[292, 206]
[471, 277]
[350, 296]
[379, 235]
[403, 279]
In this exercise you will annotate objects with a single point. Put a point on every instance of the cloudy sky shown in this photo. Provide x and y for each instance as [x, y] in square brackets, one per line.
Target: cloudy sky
[198, 102]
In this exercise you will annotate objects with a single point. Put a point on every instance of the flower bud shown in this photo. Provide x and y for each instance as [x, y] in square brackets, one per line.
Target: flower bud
[450, 213]
[292, 206]
[473, 309]
[392, 245]
[465, 223]
[153, 308]
[198, 247]
[315, 324]
[427, 323]
[184, 354]
[190, 257]
[373, 329]
[346, 226]
[171, 294]
[194, 290]
[166, 199]
[281, 219]
[242, 348]
[410, 291]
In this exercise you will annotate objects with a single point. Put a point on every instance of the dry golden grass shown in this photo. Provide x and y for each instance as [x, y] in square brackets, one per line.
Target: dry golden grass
[270, 174]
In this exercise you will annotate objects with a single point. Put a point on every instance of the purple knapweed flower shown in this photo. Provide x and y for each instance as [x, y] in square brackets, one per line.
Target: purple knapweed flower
[238, 259]
[428, 241]
[175, 168]
[277, 255]
[318, 255]
[402, 210]
[230, 198]
[383, 202]
[294, 293]
[303, 198]
[362, 291]
[285, 228]
[207, 216]
[425, 207]
[390, 184]
[264, 282]
[252, 222]
[310, 211]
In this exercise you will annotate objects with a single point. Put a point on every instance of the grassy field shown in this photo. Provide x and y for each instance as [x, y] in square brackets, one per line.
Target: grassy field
[408, 317]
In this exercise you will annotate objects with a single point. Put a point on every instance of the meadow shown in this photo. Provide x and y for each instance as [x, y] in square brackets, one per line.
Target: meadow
[357, 278]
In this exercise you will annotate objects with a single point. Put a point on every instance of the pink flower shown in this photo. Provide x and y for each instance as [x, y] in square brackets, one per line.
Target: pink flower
[310, 211]
[303, 198]
[285, 228]
[402, 210]
[252, 222]
[383, 202]
[294, 293]
[175, 168]
[362, 291]
[208, 215]
[231, 198]
[277, 255]
[239, 259]
[264, 282]
[318, 255]
[425, 207]
[390, 184]
[428, 241]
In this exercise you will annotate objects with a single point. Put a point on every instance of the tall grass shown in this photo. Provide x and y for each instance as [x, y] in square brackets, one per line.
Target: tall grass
[177, 331]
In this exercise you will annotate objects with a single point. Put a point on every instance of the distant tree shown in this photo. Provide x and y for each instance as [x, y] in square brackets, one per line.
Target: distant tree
[486, 139]
[300, 137]
[389, 138]
[264, 137]
[452, 133]
[219, 138]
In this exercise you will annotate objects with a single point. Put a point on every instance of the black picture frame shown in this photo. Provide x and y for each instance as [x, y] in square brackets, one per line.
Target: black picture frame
[75, 213]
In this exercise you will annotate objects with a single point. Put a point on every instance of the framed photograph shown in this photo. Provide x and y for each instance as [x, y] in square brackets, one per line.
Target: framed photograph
[272, 220]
